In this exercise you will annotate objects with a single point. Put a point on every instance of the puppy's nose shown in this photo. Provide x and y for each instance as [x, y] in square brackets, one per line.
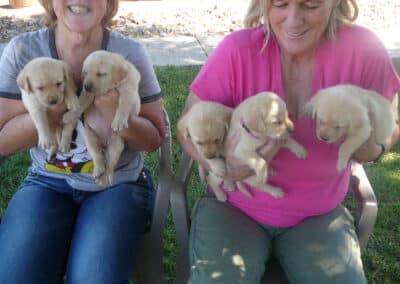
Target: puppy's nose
[211, 156]
[88, 87]
[290, 129]
[53, 101]
[324, 138]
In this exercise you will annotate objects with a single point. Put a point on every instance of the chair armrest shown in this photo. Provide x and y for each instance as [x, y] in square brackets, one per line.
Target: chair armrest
[150, 267]
[367, 204]
[180, 216]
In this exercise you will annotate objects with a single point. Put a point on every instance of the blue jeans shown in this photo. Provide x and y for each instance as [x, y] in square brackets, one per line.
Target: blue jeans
[50, 230]
[226, 246]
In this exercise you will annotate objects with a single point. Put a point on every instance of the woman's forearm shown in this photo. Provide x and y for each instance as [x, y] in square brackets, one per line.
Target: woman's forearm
[18, 134]
[141, 135]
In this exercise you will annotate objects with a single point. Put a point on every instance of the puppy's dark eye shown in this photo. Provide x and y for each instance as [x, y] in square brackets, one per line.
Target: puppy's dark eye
[199, 143]
[278, 122]
[58, 84]
[99, 74]
[216, 141]
[40, 88]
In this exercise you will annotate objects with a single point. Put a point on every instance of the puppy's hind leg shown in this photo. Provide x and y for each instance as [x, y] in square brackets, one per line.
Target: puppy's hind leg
[215, 183]
[243, 189]
[93, 145]
[64, 144]
[113, 153]
[275, 191]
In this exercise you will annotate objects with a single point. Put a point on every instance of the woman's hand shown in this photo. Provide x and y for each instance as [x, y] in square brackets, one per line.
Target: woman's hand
[107, 104]
[55, 115]
[368, 151]
[235, 169]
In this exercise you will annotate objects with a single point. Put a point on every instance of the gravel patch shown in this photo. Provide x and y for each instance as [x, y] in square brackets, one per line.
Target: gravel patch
[144, 19]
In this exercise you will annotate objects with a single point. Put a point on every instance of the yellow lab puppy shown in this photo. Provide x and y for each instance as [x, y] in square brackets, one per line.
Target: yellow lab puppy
[102, 72]
[351, 113]
[258, 119]
[207, 125]
[44, 83]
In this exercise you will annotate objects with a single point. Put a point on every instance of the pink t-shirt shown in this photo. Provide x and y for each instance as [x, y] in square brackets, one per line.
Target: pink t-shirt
[239, 68]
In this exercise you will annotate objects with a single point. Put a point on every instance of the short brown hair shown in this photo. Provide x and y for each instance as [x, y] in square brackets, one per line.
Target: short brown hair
[345, 12]
[50, 19]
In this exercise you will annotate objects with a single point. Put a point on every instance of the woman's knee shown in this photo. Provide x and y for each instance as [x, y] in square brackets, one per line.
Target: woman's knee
[323, 249]
[225, 245]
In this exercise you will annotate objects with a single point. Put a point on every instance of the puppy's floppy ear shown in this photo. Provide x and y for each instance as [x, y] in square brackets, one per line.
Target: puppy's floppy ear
[182, 127]
[307, 109]
[24, 82]
[362, 124]
[119, 72]
[310, 107]
[70, 96]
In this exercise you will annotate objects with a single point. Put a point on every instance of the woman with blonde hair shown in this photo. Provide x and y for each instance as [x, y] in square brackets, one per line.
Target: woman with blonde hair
[59, 222]
[293, 48]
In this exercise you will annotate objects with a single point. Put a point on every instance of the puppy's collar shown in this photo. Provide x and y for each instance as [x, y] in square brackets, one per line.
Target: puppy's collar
[248, 130]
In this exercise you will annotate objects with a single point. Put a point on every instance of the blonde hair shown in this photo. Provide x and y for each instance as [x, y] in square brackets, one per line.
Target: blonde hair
[50, 19]
[344, 13]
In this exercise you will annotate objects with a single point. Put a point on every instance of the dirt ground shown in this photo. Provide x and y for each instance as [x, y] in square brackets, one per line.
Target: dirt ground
[192, 17]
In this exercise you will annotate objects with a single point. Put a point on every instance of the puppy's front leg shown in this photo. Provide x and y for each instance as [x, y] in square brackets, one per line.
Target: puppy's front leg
[296, 148]
[66, 136]
[352, 143]
[85, 100]
[47, 137]
[128, 103]
[254, 161]
[93, 145]
[72, 100]
[217, 166]
[215, 183]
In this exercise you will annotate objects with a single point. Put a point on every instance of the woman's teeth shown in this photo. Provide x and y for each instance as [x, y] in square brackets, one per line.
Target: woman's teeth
[78, 9]
[295, 35]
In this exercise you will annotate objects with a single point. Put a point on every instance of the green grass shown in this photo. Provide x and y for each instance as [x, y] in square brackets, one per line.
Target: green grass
[382, 257]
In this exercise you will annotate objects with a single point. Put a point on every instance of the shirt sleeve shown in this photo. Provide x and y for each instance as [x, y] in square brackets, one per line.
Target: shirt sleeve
[378, 72]
[9, 72]
[215, 81]
[149, 88]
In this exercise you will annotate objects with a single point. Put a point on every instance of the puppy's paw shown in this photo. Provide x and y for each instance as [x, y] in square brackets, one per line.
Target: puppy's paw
[277, 192]
[47, 142]
[103, 181]
[52, 154]
[119, 124]
[98, 170]
[229, 185]
[218, 168]
[341, 164]
[106, 179]
[71, 116]
[64, 147]
[301, 153]
[219, 194]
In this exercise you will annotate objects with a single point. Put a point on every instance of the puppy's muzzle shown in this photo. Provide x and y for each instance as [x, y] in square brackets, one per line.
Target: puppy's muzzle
[323, 138]
[88, 87]
[211, 156]
[52, 101]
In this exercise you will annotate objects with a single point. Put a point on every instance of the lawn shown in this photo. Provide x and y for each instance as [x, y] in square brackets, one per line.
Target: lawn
[382, 257]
